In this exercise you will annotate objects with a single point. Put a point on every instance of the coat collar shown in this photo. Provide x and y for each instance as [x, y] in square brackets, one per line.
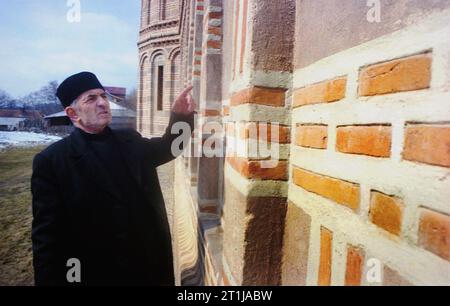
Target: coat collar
[91, 166]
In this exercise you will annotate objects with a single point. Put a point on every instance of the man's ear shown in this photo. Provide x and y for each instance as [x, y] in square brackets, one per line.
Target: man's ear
[72, 114]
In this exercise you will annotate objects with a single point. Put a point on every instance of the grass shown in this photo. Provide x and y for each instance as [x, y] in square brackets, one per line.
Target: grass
[15, 213]
[15, 216]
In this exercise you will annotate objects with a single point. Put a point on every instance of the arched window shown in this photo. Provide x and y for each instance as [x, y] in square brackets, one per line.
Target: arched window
[162, 9]
[144, 95]
[158, 81]
[149, 11]
[175, 76]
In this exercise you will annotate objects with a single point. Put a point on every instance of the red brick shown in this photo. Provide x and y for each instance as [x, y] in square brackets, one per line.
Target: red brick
[312, 136]
[236, 27]
[411, 73]
[263, 132]
[326, 250]
[208, 209]
[259, 95]
[355, 260]
[324, 92]
[244, 35]
[366, 140]
[215, 15]
[434, 233]
[215, 31]
[210, 112]
[386, 212]
[339, 191]
[214, 44]
[254, 170]
[428, 144]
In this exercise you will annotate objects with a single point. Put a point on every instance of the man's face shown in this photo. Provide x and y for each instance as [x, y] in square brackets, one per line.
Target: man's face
[92, 110]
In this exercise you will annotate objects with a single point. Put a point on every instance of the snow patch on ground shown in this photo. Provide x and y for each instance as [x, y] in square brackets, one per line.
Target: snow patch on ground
[25, 139]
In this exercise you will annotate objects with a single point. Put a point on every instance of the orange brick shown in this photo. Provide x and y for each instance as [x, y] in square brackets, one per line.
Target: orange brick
[434, 233]
[355, 259]
[210, 112]
[367, 140]
[214, 44]
[215, 15]
[208, 209]
[324, 92]
[386, 212]
[326, 248]
[254, 170]
[215, 31]
[342, 192]
[428, 144]
[312, 136]
[411, 73]
[226, 110]
[263, 132]
[259, 95]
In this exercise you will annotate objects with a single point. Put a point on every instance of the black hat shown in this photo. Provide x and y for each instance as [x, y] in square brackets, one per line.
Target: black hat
[75, 85]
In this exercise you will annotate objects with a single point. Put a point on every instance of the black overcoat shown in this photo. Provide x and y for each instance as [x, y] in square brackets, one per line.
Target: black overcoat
[78, 212]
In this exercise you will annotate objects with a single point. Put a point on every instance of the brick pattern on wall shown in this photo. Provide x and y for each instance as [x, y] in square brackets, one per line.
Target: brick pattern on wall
[364, 136]
[406, 143]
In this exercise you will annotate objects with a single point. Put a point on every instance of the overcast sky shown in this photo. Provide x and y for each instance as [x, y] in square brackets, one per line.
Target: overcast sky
[39, 45]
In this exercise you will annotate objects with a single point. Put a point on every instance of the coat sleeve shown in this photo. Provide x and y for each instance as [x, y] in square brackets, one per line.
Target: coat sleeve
[48, 262]
[160, 149]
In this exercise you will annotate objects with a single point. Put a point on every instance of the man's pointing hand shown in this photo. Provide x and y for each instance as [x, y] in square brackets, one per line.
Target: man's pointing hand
[184, 104]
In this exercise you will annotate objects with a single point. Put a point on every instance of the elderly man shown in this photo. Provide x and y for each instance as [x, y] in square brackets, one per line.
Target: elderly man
[97, 201]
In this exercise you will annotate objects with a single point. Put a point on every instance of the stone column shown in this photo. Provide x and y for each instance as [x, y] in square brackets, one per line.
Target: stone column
[256, 190]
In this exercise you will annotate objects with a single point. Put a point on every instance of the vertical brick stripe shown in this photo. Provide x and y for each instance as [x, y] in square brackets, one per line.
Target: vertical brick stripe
[411, 73]
[244, 35]
[326, 248]
[236, 31]
[355, 260]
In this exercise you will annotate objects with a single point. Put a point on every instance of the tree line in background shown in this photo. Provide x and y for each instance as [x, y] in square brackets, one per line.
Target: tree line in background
[45, 101]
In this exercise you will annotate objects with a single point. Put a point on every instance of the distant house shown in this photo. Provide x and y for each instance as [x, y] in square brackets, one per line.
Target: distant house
[15, 119]
[122, 118]
[118, 94]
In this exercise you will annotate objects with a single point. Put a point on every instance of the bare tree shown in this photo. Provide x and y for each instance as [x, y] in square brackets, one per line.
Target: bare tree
[131, 99]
